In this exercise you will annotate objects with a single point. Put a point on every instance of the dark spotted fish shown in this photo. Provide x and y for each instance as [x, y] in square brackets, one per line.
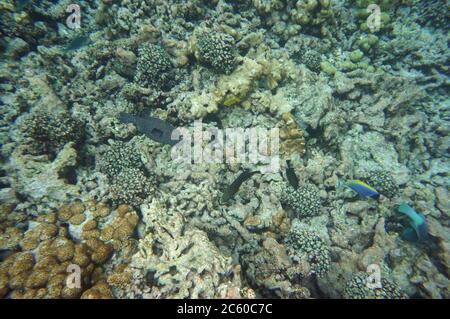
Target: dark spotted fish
[234, 187]
[154, 128]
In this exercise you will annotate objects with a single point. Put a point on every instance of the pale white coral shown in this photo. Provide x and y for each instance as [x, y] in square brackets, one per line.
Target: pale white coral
[173, 254]
[39, 179]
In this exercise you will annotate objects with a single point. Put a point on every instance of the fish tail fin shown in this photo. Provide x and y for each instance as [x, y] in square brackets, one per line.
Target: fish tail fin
[410, 234]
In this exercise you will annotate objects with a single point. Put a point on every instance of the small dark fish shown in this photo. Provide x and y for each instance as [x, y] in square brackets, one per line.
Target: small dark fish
[154, 128]
[234, 187]
[291, 176]
[78, 42]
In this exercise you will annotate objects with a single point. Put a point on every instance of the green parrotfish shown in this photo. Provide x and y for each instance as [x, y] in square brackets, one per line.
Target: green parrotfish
[418, 230]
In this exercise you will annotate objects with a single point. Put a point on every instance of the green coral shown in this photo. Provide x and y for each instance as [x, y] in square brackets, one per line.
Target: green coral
[306, 245]
[328, 68]
[217, 50]
[356, 288]
[367, 42]
[48, 133]
[433, 12]
[153, 67]
[384, 4]
[356, 56]
[305, 200]
[383, 182]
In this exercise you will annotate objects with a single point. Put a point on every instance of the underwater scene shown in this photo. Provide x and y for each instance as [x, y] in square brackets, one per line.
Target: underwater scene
[224, 149]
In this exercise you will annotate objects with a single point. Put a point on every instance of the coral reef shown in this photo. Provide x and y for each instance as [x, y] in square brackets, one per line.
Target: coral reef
[383, 182]
[153, 66]
[357, 288]
[350, 102]
[49, 134]
[306, 246]
[215, 49]
[305, 200]
[170, 253]
[270, 268]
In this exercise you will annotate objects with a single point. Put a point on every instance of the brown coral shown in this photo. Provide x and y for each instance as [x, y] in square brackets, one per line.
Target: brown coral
[292, 137]
[101, 290]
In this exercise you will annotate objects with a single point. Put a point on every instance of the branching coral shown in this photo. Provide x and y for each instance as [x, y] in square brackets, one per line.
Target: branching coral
[305, 245]
[49, 133]
[153, 66]
[383, 182]
[305, 200]
[356, 288]
[215, 49]
[172, 254]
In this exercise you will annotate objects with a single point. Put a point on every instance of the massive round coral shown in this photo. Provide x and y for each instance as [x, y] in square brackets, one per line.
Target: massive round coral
[356, 288]
[306, 245]
[216, 49]
[153, 66]
[305, 200]
[383, 182]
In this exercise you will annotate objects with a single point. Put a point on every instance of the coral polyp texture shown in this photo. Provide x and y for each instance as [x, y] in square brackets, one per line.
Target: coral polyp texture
[306, 246]
[224, 149]
[305, 200]
[359, 287]
[215, 49]
[153, 66]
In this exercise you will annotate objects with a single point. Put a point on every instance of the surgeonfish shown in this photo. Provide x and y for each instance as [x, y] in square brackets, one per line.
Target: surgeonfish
[418, 230]
[361, 188]
[234, 187]
[291, 176]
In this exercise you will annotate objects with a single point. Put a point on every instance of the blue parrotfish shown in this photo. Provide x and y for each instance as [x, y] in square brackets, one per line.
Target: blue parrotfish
[361, 188]
[418, 230]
